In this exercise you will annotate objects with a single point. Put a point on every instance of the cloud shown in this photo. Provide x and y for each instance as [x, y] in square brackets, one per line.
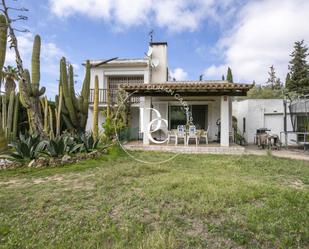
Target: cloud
[175, 15]
[179, 74]
[263, 35]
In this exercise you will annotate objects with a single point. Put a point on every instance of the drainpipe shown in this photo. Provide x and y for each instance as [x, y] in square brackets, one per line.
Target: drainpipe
[285, 121]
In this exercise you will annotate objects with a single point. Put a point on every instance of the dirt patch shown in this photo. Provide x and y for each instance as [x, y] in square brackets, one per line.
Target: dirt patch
[297, 184]
[12, 182]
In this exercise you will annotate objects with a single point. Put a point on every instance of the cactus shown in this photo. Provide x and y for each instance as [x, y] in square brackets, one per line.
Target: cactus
[68, 100]
[3, 44]
[4, 116]
[45, 111]
[3, 41]
[30, 94]
[108, 102]
[58, 112]
[95, 128]
[15, 120]
[74, 110]
[35, 65]
[51, 123]
[10, 114]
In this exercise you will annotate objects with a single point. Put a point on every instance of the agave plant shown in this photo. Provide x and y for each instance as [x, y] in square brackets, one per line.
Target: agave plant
[26, 148]
[60, 146]
[85, 143]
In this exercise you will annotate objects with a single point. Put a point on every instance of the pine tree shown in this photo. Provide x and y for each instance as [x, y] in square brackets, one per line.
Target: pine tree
[287, 81]
[273, 82]
[299, 69]
[229, 76]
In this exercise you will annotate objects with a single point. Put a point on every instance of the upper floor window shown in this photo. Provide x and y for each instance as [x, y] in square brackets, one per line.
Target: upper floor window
[114, 81]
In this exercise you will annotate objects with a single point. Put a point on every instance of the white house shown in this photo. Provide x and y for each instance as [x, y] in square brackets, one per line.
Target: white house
[146, 80]
[253, 114]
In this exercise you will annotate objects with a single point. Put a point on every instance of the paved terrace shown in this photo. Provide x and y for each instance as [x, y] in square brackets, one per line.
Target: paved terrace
[215, 148]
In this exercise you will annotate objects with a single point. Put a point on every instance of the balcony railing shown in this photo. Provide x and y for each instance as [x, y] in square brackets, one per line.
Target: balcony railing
[113, 96]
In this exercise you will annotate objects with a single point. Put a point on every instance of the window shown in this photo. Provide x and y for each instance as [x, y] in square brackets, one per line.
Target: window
[177, 116]
[199, 116]
[243, 125]
[302, 125]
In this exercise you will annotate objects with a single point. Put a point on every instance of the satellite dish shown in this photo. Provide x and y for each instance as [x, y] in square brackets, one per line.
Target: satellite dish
[149, 53]
[155, 62]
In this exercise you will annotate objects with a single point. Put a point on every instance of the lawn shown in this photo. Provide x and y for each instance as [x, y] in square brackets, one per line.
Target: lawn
[192, 201]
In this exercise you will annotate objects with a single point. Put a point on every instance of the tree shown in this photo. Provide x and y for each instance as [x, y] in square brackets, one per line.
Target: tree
[10, 75]
[260, 92]
[229, 76]
[299, 69]
[287, 80]
[223, 78]
[273, 82]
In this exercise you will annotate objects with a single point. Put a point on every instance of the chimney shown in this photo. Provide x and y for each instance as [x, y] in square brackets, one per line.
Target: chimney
[158, 62]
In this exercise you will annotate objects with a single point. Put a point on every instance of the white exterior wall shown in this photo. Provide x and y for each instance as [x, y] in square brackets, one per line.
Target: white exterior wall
[159, 74]
[103, 73]
[260, 113]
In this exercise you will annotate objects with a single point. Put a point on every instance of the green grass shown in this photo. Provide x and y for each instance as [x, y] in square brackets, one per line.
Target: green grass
[193, 201]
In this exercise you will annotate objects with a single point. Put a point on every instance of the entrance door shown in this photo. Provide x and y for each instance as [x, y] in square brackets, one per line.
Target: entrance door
[200, 116]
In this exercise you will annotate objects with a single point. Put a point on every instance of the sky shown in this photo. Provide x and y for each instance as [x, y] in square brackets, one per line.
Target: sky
[204, 36]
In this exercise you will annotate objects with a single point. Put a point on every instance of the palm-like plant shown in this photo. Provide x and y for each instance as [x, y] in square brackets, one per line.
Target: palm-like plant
[10, 75]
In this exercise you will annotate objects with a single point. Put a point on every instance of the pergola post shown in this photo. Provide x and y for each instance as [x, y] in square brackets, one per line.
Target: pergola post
[146, 119]
[225, 121]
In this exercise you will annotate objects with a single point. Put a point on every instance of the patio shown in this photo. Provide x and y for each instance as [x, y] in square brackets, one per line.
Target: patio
[211, 148]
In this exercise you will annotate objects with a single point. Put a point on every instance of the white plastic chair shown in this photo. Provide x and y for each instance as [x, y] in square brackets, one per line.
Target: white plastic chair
[204, 134]
[180, 134]
[171, 134]
[192, 134]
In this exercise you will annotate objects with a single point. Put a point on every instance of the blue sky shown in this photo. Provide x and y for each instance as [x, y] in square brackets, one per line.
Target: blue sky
[204, 36]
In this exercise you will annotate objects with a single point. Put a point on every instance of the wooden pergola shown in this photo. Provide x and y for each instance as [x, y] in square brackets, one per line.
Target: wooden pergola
[187, 88]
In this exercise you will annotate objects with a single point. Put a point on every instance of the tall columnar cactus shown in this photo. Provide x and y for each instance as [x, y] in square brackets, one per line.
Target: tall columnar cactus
[3, 44]
[4, 113]
[45, 111]
[3, 41]
[74, 110]
[67, 94]
[58, 110]
[10, 114]
[35, 65]
[95, 127]
[30, 95]
[51, 122]
[16, 115]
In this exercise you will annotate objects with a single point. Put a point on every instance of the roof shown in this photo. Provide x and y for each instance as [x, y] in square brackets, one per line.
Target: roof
[192, 88]
[158, 43]
[119, 61]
